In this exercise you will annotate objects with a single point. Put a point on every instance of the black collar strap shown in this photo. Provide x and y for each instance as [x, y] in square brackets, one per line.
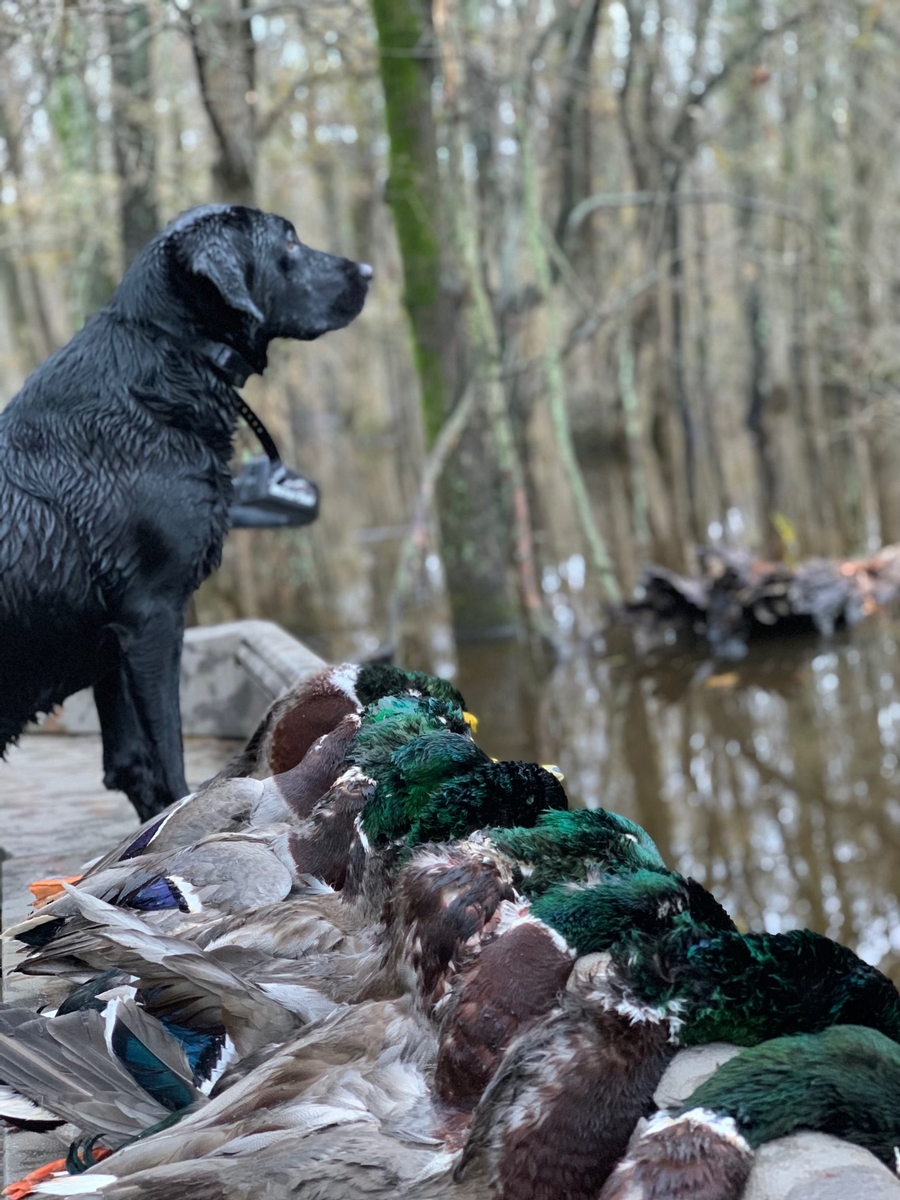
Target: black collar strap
[227, 362]
[266, 440]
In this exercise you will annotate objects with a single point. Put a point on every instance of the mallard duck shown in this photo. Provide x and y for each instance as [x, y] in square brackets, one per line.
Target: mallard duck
[225, 873]
[436, 787]
[440, 781]
[353, 1159]
[339, 1105]
[545, 1129]
[407, 788]
[559, 1111]
[509, 979]
[347, 1155]
[187, 985]
[231, 805]
[552, 1123]
[440, 786]
[226, 807]
[438, 901]
[844, 1081]
[446, 899]
[314, 707]
[747, 988]
[571, 844]
[160, 870]
[367, 739]
[385, 728]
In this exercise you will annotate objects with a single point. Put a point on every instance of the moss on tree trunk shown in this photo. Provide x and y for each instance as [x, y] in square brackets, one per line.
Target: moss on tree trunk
[473, 518]
[413, 190]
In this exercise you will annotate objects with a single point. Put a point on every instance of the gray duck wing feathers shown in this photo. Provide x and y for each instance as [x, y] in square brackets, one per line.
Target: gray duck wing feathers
[194, 981]
[66, 1064]
[221, 807]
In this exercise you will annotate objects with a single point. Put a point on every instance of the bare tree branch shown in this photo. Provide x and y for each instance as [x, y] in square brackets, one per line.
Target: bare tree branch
[615, 200]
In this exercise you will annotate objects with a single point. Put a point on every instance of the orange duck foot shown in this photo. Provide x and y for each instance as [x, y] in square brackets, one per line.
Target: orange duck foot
[24, 1186]
[45, 890]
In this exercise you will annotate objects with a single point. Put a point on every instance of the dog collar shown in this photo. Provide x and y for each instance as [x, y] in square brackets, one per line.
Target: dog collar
[230, 365]
[228, 362]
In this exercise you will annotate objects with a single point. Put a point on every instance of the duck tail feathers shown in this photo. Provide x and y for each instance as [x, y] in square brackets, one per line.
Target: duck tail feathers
[250, 1016]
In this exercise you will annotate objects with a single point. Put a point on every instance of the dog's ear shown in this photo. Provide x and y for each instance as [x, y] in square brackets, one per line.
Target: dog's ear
[214, 257]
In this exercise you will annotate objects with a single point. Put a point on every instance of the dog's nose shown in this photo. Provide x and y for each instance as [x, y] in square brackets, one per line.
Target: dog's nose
[366, 271]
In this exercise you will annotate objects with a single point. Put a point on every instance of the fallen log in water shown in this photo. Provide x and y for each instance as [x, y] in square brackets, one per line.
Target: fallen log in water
[738, 597]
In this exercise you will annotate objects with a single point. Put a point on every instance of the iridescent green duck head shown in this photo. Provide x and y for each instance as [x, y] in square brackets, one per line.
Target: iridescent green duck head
[746, 988]
[574, 845]
[318, 704]
[376, 680]
[844, 1081]
[441, 786]
[391, 721]
[593, 917]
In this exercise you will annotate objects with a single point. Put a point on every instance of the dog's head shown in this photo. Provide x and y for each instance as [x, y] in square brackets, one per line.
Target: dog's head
[244, 277]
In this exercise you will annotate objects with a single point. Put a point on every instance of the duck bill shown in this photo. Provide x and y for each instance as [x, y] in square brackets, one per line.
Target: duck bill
[471, 720]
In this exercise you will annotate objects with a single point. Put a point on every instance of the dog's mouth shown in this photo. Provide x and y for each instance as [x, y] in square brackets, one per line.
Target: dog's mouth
[326, 297]
[354, 295]
[351, 302]
[348, 304]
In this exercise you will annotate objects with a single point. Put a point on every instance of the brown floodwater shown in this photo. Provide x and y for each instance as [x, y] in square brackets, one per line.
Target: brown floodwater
[774, 780]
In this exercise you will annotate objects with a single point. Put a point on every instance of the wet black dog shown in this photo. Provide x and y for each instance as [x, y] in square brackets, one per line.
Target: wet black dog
[114, 481]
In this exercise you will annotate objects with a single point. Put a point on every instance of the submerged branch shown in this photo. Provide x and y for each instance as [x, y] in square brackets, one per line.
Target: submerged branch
[556, 387]
[416, 541]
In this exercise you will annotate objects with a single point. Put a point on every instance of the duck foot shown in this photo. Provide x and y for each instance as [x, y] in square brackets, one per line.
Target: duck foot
[24, 1186]
[45, 890]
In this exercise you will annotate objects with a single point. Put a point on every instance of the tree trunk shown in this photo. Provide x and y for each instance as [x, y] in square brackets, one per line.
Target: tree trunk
[573, 125]
[474, 525]
[869, 149]
[23, 277]
[224, 54]
[675, 269]
[407, 64]
[134, 137]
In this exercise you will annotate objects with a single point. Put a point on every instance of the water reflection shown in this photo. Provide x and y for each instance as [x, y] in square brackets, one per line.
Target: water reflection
[775, 781]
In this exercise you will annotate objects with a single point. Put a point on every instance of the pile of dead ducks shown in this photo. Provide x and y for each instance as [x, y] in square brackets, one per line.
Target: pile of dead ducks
[369, 960]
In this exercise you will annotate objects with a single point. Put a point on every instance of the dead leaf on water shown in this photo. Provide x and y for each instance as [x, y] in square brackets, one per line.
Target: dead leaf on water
[727, 679]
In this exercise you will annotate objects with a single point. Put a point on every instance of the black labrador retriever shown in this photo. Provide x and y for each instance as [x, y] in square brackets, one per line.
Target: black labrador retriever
[114, 480]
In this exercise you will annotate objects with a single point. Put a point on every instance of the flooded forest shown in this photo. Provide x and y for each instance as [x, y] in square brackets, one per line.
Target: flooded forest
[636, 293]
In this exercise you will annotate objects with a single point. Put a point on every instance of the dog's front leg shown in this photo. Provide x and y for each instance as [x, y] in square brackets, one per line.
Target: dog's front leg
[140, 719]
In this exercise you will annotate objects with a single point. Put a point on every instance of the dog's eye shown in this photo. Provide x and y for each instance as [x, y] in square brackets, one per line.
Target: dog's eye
[293, 242]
